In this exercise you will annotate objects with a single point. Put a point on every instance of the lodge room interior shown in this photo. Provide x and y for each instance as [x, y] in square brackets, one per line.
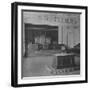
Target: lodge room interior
[50, 43]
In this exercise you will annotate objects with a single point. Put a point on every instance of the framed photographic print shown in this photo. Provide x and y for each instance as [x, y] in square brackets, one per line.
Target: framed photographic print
[49, 44]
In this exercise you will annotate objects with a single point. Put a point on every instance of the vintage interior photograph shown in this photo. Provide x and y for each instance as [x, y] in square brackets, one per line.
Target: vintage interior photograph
[50, 43]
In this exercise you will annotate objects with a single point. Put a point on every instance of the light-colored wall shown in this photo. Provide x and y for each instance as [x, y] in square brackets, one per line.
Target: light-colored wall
[67, 31]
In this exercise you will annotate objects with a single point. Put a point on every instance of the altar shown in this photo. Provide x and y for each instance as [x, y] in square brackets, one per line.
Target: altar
[64, 60]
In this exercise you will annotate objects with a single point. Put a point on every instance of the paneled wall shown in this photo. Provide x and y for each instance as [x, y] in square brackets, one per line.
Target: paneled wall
[68, 24]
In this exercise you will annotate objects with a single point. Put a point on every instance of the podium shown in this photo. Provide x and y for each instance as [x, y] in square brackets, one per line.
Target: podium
[64, 60]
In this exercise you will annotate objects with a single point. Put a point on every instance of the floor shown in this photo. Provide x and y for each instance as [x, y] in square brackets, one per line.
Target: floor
[42, 66]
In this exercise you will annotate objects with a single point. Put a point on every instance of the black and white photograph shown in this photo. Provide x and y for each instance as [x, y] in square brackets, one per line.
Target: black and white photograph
[50, 44]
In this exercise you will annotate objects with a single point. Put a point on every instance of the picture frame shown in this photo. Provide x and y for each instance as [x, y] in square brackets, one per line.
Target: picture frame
[48, 44]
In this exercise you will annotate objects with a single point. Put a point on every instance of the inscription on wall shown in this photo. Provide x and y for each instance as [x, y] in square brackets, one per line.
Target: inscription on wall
[53, 18]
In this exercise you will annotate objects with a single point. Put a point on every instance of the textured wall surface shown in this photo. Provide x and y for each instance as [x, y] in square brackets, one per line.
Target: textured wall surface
[68, 24]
